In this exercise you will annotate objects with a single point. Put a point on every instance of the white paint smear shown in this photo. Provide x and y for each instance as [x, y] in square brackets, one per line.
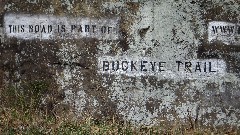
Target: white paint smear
[145, 66]
[228, 33]
[26, 26]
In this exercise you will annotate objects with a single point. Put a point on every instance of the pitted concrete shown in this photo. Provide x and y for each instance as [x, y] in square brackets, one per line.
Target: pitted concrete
[166, 31]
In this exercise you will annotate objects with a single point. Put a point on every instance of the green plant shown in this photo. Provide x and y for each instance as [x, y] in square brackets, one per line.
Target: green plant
[27, 97]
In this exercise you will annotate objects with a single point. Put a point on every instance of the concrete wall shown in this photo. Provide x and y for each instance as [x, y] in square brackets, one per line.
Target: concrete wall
[163, 65]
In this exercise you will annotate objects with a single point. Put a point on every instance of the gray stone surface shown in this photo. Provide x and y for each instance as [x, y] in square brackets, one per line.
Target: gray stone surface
[166, 31]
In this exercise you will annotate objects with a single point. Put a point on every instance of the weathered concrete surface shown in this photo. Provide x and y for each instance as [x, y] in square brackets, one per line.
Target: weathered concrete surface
[167, 31]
